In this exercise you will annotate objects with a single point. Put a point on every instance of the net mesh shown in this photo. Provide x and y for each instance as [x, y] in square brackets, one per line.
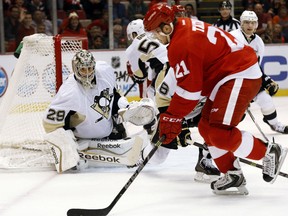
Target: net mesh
[30, 90]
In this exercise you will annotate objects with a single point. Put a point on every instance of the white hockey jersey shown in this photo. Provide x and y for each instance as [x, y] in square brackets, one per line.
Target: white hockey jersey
[87, 110]
[149, 51]
[256, 43]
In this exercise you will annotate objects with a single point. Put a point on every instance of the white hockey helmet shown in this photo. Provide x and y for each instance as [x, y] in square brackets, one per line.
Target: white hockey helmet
[83, 65]
[249, 16]
[135, 26]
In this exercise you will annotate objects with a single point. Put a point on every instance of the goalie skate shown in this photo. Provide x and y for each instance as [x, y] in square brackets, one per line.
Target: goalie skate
[139, 113]
[273, 161]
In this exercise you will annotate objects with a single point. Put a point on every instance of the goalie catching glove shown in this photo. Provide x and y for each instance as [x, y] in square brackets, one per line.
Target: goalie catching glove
[270, 85]
[138, 113]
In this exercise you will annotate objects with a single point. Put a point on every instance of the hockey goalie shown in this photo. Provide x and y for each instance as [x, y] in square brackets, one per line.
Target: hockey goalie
[84, 121]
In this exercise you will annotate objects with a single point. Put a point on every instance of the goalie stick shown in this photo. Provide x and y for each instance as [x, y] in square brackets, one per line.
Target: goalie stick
[251, 163]
[105, 211]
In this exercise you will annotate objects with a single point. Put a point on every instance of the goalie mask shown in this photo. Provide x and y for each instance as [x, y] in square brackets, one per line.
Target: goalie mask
[83, 64]
[135, 28]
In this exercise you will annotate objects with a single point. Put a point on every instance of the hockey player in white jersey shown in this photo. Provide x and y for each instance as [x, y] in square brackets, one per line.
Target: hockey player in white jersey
[86, 114]
[146, 53]
[246, 34]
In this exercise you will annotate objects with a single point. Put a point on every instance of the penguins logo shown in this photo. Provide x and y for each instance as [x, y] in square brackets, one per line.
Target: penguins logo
[102, 104]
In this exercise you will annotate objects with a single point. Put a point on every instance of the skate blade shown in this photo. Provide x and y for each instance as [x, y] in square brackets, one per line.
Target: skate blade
[204, 178]
[281, 161]
[232, 191]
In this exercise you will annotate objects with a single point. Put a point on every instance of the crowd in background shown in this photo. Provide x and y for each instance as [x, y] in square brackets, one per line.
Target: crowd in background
[89, 18]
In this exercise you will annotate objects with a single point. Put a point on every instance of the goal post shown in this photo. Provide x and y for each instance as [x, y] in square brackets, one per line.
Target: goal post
[44, 62]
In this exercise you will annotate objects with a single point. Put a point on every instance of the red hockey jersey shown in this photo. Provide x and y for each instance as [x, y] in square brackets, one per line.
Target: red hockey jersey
[202, 55]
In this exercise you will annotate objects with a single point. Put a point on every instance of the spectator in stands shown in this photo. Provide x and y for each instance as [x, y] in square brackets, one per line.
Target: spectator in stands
[99, 43]
[264, 22]
[118, 35]
[277, 35]
[11, 23]
[92, 33]
[94, 8]
[40, 18]
[276, 5]
[41, 28]
[72, 26]
[25, 28]
[226, 21]
[282, 19]
[190, 12]
[72, 5]
[119, 13]
[137, 9]
[21, 5]
[40, 5]
[103, 23]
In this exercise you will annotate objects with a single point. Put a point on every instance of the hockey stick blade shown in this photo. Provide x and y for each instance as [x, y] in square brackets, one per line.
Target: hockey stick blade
[105, 211]
[251, 163]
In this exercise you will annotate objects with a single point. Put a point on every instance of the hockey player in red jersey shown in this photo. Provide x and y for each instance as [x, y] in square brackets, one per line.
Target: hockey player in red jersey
[210, 62]
[143, 51]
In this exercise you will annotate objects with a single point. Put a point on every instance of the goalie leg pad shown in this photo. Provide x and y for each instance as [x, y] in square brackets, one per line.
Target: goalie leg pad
[121, 152]
[63, 147]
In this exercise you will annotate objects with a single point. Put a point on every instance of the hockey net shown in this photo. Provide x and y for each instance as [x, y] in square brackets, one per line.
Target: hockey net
[44, 62]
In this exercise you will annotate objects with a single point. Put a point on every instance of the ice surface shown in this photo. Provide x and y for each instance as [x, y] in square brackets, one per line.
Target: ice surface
[163, 190]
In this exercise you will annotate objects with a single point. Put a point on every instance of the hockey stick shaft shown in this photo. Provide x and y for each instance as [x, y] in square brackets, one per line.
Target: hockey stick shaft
[130, 88]
[251, 163]
[257, 125]
[105, 211]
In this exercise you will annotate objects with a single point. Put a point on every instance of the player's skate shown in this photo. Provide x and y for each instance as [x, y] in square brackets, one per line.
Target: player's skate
[233, 182]
[278, 127]
[205, 170]
[273, 161]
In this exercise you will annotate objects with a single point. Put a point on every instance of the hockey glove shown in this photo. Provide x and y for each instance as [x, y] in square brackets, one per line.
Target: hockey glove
[135, 78]
[170, 126]
[271, 86]
[183, 136]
